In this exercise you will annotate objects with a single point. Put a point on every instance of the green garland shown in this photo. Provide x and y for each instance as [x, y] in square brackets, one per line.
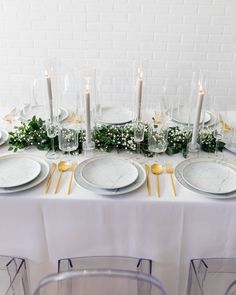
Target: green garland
[109, 138]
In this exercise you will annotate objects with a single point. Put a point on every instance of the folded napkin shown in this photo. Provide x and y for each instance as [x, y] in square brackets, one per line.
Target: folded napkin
[10, 115]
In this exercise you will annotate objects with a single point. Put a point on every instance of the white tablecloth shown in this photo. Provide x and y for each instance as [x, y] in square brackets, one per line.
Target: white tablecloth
[171, 231]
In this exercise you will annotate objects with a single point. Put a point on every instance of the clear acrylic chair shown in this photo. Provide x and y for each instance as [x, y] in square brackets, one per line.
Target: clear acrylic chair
[13, 276]
[100, 282]
[212, 276]
[106, 262]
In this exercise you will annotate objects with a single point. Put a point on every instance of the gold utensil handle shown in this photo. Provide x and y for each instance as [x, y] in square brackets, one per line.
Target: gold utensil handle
[173, 185]
[70, 183]
[48, 184]
[58, 183]
[158, 187]
[148, 185]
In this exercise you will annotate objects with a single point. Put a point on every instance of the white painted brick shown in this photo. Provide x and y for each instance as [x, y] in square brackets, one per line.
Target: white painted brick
[165, 32]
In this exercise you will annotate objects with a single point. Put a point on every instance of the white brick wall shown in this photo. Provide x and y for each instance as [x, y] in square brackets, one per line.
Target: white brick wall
[168, 33]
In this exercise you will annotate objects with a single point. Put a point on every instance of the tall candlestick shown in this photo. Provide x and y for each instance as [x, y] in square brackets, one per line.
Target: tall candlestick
[87, 115]
[49, 86]
[140, 94]
[197, 116]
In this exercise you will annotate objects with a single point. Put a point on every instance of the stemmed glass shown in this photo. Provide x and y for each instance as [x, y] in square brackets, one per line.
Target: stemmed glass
[157, 140]
[68, 138]
[52, 132]
[138, 134]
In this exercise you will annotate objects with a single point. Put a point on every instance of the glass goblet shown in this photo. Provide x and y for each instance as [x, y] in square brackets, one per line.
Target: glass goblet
[157, 141]
[68, 138]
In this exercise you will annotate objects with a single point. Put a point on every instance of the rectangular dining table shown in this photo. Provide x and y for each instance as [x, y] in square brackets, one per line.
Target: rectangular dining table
[169, 230]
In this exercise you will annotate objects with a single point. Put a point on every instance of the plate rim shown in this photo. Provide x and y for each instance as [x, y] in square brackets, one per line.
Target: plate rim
[4, 138]
[208, 191]
[116, 192]
[100, 158]
[186, 123]
[26, 181]
[180, 179]
[115, 123]
[34, 182]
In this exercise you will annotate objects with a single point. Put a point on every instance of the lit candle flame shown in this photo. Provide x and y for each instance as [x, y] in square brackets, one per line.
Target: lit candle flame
[140, 72]
[87, 84]
[200, 87]
[46, 74]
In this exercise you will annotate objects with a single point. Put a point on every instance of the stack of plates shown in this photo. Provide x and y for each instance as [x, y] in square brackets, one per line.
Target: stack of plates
[110, 175]
[210, 176]
[3, 136]
[19, 172]
[114, 115]
[39, 111]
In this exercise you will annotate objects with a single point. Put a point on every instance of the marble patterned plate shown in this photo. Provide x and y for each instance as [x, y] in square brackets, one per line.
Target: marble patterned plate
[231, 148]
[17, 171]
[179, 176]
[111, 192]
[0, 134]
[210, 177]
[114, 115]
[109, 172]
[4, 137]
[44, 171]
[182, 117]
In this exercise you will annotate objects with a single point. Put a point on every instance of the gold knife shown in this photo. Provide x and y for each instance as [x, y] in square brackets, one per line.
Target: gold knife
[148, 180]
[73, 167]
[48, 184]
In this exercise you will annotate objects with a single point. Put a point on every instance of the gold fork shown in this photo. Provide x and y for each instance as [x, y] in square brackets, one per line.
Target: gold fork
[73, 167]
[170, 171]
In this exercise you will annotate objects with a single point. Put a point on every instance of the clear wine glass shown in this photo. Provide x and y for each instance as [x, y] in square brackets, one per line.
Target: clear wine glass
[68, 138]
[157, 140]
[138, 134]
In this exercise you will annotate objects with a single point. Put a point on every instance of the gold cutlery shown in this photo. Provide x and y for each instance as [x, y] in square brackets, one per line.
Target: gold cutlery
[157, 170]
[226, 126]
[73, 167]
[148, 180]
[170, 171]
[48, 184]
[62, 167]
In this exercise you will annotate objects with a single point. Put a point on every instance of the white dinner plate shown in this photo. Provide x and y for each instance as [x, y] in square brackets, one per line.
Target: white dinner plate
[114, 115]
[44, 171]
[109, 172]
[113, 192]
[4, 137]
[17, 171]
[179, 176]
[39, 111]
[182, 117]
[214, 177]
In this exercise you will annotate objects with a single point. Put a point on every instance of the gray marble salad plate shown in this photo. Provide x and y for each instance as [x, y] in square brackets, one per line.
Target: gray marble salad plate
[231, 148]
[111, 192]
[17, 171]
[179, 176]
[44, 171]
[109, 172]
[0, 134]
[210, 177]
[114, 115]
[4, 137]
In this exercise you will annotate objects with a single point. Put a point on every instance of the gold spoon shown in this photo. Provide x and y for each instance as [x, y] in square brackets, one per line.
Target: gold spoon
[62, 167]
[170, 171]
[157, 170]
[48, 184]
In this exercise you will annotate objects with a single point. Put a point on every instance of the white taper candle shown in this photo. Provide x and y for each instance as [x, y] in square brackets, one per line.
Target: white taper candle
[198, 115]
